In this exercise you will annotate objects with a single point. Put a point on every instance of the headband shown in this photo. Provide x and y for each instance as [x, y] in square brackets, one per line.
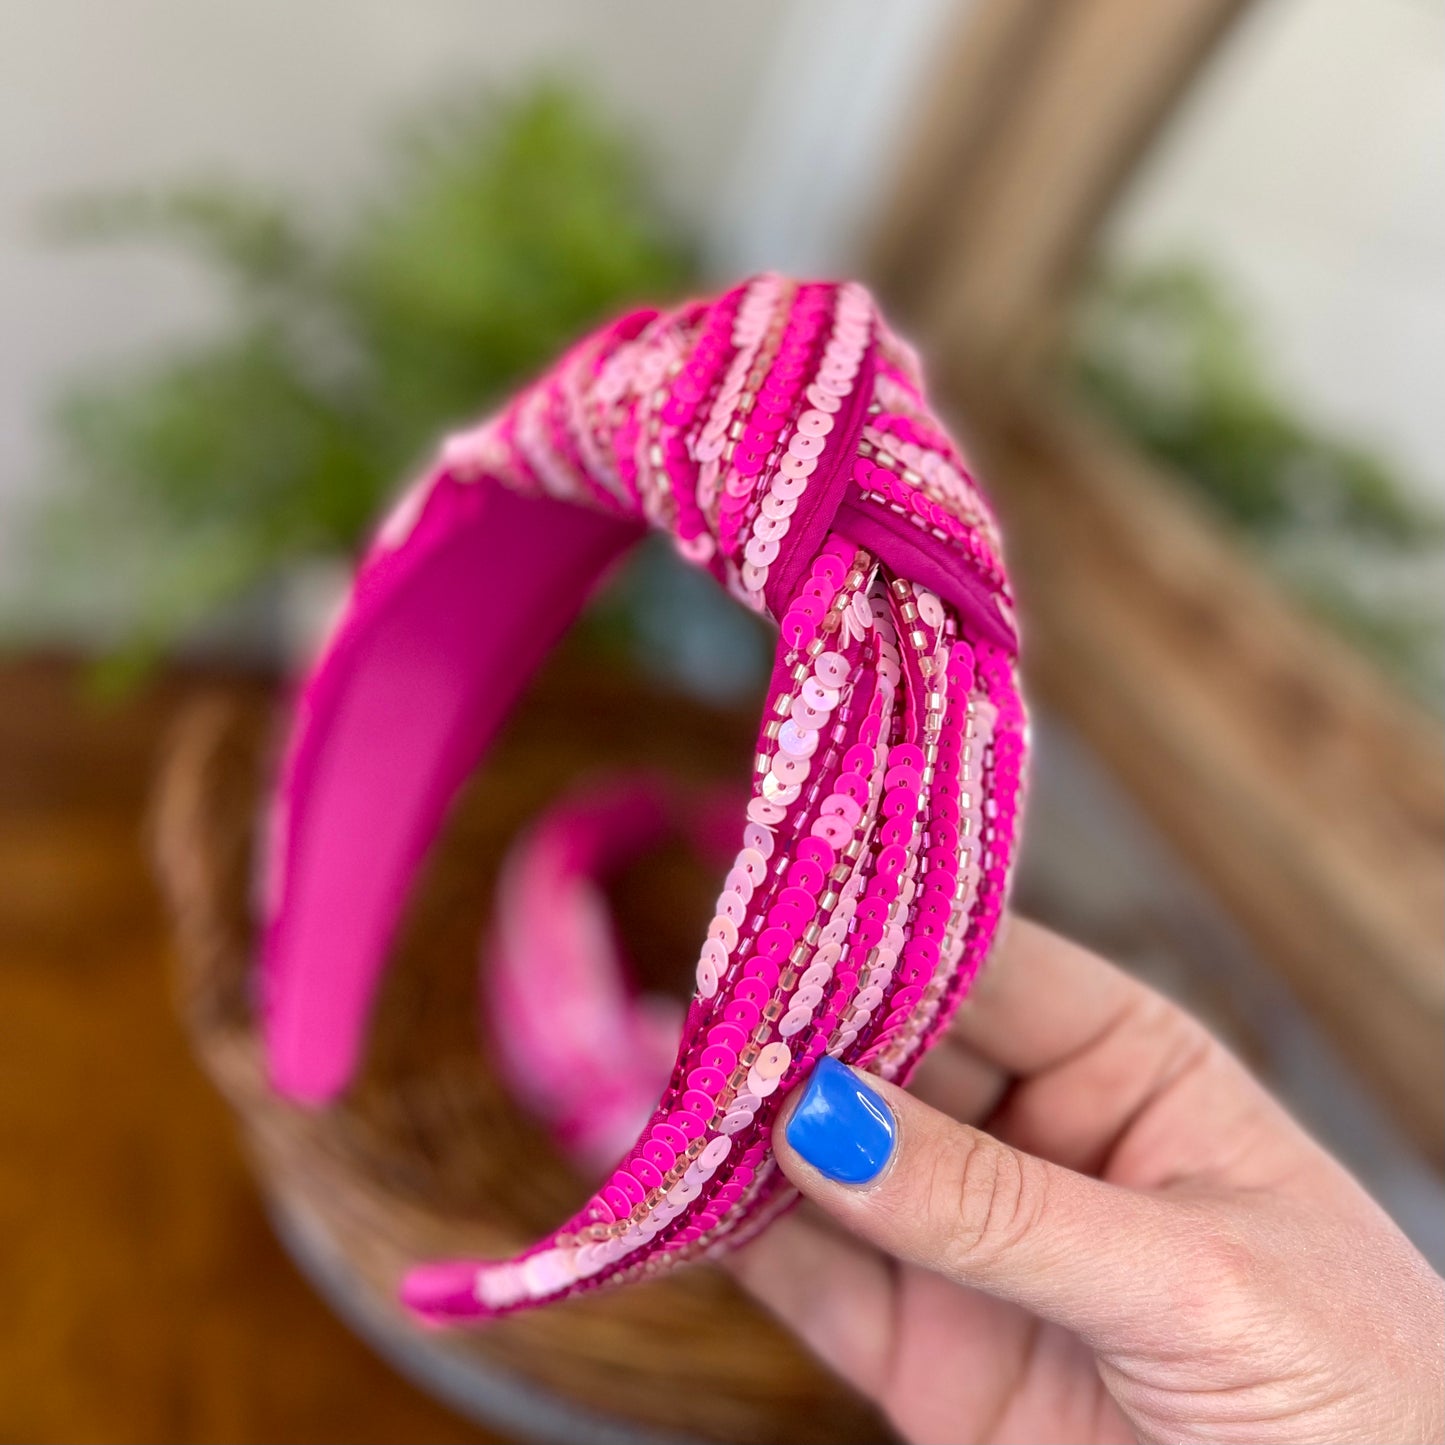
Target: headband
[780, 435]
[578, 1043]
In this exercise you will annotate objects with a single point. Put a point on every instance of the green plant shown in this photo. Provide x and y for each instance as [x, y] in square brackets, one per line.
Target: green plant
[1166, 353]
[502, 230]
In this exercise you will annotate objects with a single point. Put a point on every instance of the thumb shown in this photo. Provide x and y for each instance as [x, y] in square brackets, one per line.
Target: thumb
[1105, 1262]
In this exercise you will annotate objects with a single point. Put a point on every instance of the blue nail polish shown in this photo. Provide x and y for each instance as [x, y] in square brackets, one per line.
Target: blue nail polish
[840, 1126]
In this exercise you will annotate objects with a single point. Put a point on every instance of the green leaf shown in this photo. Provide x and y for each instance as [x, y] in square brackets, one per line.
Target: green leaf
[1169, 356]
[505, 227]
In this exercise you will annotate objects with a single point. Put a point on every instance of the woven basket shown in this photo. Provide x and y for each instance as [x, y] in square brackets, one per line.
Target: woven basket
[426, 1156]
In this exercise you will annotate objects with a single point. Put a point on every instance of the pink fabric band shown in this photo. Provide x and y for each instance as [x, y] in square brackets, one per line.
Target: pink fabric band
[780, 435]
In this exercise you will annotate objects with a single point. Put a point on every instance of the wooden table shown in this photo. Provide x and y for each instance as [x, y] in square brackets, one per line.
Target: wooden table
[145, 1297]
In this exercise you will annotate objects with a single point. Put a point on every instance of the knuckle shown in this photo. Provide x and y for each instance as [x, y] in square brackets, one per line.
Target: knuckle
[1163, 1029]
[1221, 1290]
[1168, 1047]
[988, 1198]
[1193, 1045]
[1229, 1265]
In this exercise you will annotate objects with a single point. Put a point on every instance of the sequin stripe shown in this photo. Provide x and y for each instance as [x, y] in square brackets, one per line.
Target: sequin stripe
[894, 391]
[592, 1257]
[793, 753]
[626, 430]
[959, 825]
[821, 836]
[1000, 721]
[758, 510]
[810, 456]
[695, 374]
[651, 386]
[951, 890]
[840, 811]
[955, 506]
[822, 865]
[754, 314]
[585, 422]
[944, 508]
[900, 797]
[767, 436]
[695, 387]
[851, 946]
[807, 863]
[844, 819]
[534, 439]
[998, 795]
[907, 425]
[567, 450]
[612, 381]
[925, 459]
[774, 1196]
[961, 756]
[698, 379]
[899, 875]
[796, 721]
[900, 358]
[903, 409]
[757, 334]
[610, 393]
[760, 1198]
[588, 421]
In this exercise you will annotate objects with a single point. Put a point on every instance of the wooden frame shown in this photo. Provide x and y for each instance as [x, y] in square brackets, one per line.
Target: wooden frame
[1299, 783]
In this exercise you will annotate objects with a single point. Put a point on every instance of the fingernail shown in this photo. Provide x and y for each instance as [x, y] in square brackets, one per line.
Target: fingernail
[840, 1126]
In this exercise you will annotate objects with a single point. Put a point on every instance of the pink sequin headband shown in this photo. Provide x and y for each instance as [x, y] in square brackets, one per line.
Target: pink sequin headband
[580, 1045]
[781, 436]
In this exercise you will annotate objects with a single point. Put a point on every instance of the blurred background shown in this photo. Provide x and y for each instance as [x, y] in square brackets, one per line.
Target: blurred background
[1178, 275]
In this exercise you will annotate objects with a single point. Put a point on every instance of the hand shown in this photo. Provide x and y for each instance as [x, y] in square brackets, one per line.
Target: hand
[1143, 1245]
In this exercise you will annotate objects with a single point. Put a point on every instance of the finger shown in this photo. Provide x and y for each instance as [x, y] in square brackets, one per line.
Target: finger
[833, 1292]
[956, 1082]
[1115, 1078]
[1040, 1000]
[1099, 1260]
[1079, 1112]
[877, 1325]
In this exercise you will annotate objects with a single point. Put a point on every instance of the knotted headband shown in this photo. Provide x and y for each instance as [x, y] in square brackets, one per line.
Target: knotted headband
[780, 435]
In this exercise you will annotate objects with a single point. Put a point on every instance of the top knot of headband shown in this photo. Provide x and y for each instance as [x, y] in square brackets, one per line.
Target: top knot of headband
[780, 435]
